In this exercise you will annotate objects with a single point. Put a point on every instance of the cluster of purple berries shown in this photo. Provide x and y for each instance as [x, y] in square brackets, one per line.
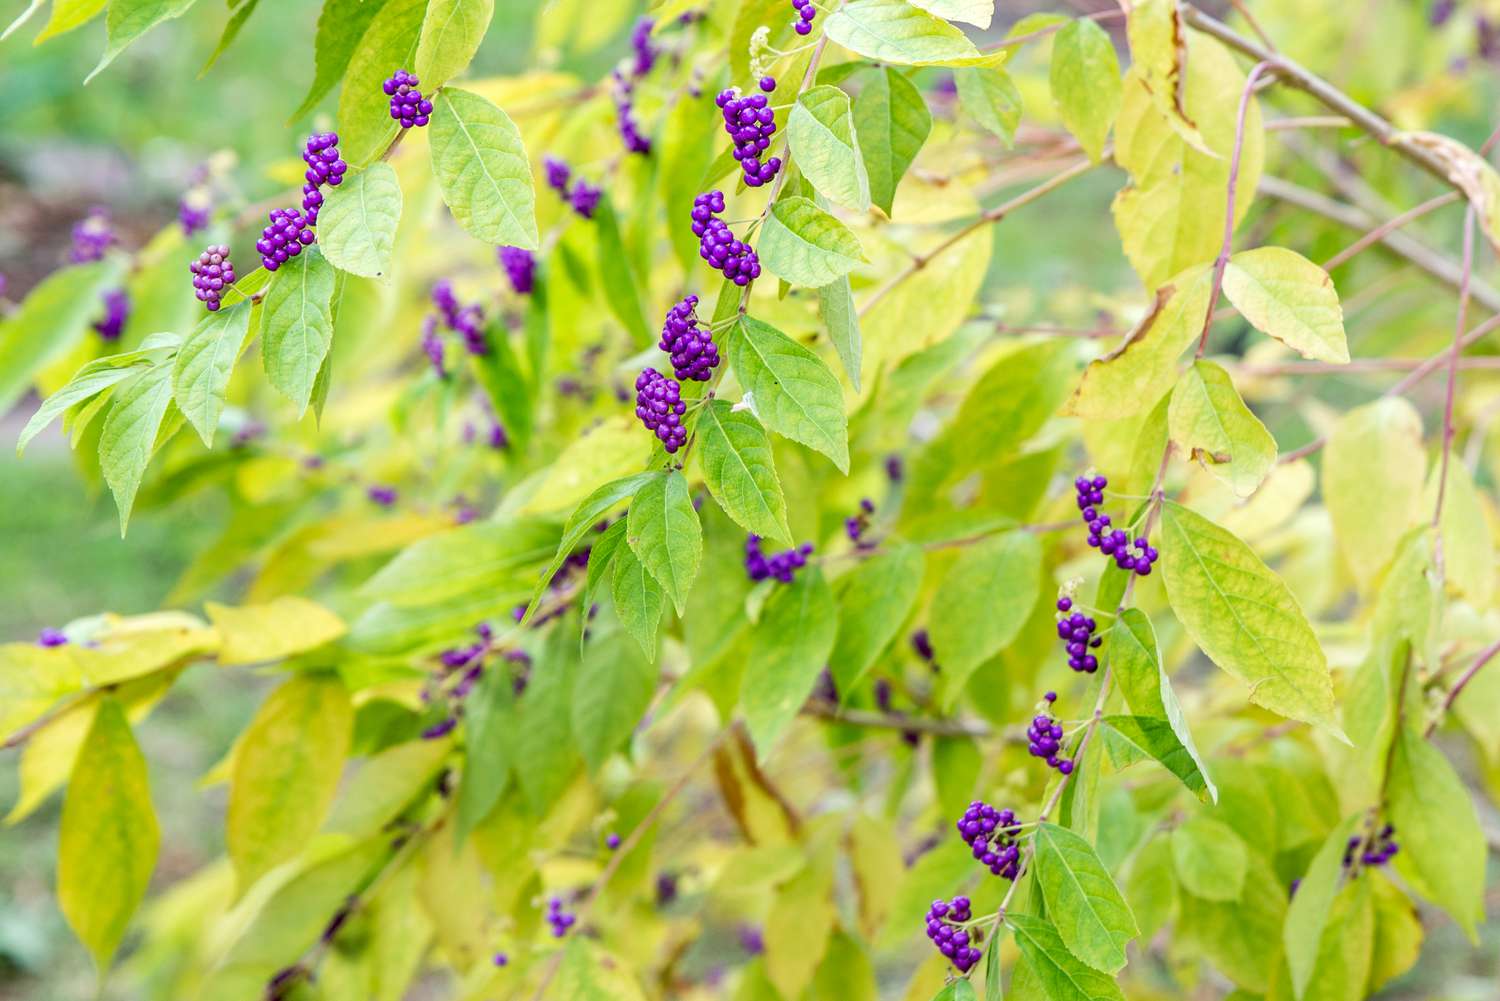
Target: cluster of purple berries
[466, 321]
[991, 834]
[1116, 543]
[1077, 631]
[381, 495]
[194, 210]
[212, 274]
[559, 919]
[284, 238]
[468, 659]
[622, 89]
[716, 242]
[92, 236]
[324, 166]
[806, 11]
[50, 637]
[520, 268]
[1382, 848]
[644, 48]
[658, 403]
[856, 525]
[750, 122]
[1045, 736]
[783, 566]
[945, 927]
[691, 344]
[111, 325]
[408, 106]
[582, 196]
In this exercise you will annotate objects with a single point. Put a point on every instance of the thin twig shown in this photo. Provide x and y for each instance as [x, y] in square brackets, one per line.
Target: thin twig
[1359, 366]
[977, 729]
[1451, 390]
[1485, 656]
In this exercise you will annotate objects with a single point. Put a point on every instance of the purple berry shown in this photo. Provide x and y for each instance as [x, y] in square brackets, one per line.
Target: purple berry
[691, 344]
[212, 274]
[92, 236]
[50, 637]
[782, 566]
[520, 268]
[284, 238]
[116, 312]
[407, 104]
[716, 243]
[658, 404]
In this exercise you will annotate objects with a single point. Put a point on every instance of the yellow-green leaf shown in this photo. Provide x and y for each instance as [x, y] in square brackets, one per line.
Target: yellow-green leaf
[984, 600]
[109, 838]
[451, 33]
[481, 166]
[1210, 859]
[820, 134]
[286, 771]
[1286, 296]
[805, 245]
[1244, 617]
[1373, 469]
[1061, 974]
[1208, 420]
[1085, 81]
[296, 324]
[740, 470]
[892, 122]
[664, 533]
[388, 44]
[254, 634]
[893, 31]
[1090, 915]
[357, 223]
[1468, 545]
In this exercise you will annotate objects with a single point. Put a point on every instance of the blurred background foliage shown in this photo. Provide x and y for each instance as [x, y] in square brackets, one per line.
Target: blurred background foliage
[133, 137]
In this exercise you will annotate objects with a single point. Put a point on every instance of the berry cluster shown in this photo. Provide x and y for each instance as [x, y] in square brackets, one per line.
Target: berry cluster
[658, 403]
[582, 196]
[1380, 851]
[622, 89]
[945, 923]
[1045, 736]
[751, 940]
[856, 525]
[466, 321]
[468, 659]
[50, 637]
[1077, 631]
[991, 833]
[644, 48]
[384, 496]
[432, 344]
[716, 242]
[408, 106]
[806, 11]
[284, 238]
[1116, 543]
[92, 236]
[212, 274]
[324, 166]
[520, 268]
[559, 919]
[782, 566]
[750, 122]
[691, 344]
[116, 311]
[194, 211]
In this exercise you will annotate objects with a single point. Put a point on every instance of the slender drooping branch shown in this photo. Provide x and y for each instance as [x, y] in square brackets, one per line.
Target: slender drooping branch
[976, 729]
[1450, 391]
[1485, 656]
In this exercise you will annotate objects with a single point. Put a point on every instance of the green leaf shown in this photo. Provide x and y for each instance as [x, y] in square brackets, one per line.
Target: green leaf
[788, 649]
[1244, 617]
[639, 599]
[985, 597]
[621, 288]
[127, 20]
[90, 381]
[296, 324]
[664, 534]
[109, 838]
[357, 223]
[232, 29]
[1468, 545]
[1238, 936]
[740, 470]
[836, 307]
[489, 724]
[893, 31]
[990, 96]
[1091, 917]
[957, 990]
[130, 434]
[582, 521]
[1307, 913]
[482, 169]
[547, 751]
[26, 15]
[821, 135]
[1138, 738]
[1085, 81]
[1132, 377]
[200, 377]
[286, 770]
[1373, 470]
[1210, 859]
[1209, 421]
[1442, 843]
[611, 692]
[1061, 974]
[50, 322]
[389, 43]
[875, 598]
[289, 624]
[341, 25]
[891, 122]
[805, 245]
[994, 987]
[790, 389]
[451, 33]
[389, 782]
[601, 560]
[976, 12]
[1283, 294]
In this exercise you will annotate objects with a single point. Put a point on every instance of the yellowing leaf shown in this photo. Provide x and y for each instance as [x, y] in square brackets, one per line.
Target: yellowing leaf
[1468, 545]
[1470, 173]
[1134, 376]
[1210, 859]
[1372, 482]
[257, 633]
[1210, 422]
[982, 603]
[1244, 617]
[107, 846]
[1283, 294]
[1159, 54]
[286, 771]
[1085, 81]
[820, 132]
[893, 31]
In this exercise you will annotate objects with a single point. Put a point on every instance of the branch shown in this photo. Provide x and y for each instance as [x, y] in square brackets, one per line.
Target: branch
[976, 729]
[1485, 656]
[1450, 391]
